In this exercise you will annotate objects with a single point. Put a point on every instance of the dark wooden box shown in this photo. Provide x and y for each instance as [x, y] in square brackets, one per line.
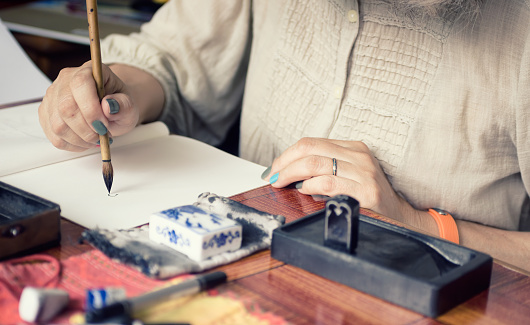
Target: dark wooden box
[28, 223]
[422, 273]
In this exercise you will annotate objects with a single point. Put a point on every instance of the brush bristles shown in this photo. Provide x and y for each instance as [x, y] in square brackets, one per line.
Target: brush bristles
[108, 174]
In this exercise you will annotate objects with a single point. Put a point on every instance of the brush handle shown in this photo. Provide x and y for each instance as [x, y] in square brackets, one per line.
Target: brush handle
[95, 54]
[95, 50]
[104, 144]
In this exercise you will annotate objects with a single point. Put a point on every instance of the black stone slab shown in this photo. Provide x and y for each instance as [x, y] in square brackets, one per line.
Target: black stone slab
[421, 273]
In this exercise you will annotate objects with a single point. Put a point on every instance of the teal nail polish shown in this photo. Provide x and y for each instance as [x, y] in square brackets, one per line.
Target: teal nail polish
[274, 178]
[266, 172]
[100, 128]
[114, 106]
[299, 184]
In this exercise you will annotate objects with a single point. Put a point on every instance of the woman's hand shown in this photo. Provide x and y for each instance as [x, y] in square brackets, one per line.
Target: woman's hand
[72, 116]
[358, 174]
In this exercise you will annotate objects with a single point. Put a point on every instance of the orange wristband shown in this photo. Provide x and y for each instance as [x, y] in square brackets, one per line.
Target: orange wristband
[446, 225]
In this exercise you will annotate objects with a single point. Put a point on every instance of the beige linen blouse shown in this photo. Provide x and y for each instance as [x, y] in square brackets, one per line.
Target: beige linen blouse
[443, 103]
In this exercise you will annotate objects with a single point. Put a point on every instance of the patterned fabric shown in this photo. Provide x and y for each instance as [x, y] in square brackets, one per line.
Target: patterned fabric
[134, 248]
[94, 270]
[442, 102]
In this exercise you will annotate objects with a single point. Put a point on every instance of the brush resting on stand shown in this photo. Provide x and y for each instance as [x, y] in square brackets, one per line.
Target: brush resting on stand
[95, 53]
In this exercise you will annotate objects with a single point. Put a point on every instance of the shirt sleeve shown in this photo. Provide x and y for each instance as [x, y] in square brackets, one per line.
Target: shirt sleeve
[198, 50]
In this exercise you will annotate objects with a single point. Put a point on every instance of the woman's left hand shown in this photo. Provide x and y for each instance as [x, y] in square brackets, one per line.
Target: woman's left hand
[358, 174]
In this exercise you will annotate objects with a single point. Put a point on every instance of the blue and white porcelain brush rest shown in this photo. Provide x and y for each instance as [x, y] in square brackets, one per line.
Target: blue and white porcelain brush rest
[194, 232]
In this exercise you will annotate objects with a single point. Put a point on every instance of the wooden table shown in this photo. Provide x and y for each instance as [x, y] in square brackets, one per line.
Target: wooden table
[303, 298]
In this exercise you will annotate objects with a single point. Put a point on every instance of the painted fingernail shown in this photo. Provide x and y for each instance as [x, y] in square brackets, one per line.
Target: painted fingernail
[266, 173]
[274, 178]
[298, 184]
[110, 141]
[114, 106]
[100, 128]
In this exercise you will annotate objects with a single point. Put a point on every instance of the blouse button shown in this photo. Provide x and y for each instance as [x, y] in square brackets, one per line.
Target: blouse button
[337, 92]
[353, 16]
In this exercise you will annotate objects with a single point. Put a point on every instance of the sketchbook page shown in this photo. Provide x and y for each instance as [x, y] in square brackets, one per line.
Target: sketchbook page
[24, 146]
[149, 176]
[20, 80]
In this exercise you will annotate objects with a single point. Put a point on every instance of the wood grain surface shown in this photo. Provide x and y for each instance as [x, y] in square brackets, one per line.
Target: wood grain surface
[304, 298]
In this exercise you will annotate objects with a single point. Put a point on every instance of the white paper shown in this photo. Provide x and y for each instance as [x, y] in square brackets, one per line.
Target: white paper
[149, 176]
[24, 146]
[20, 79]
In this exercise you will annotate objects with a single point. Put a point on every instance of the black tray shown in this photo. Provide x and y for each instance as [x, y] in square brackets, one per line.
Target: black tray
[422, 273]
[28, 223]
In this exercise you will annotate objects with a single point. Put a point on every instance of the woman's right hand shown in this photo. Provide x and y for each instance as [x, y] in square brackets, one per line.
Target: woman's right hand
[72, 116]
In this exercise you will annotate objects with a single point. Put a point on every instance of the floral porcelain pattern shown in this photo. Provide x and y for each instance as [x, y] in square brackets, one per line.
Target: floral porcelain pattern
[195, 232]
[192, 217]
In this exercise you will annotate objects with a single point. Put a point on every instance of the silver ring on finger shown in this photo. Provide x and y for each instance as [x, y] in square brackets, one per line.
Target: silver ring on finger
[334, 166]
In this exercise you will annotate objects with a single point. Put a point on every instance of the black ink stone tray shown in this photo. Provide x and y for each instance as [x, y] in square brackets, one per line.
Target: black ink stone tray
[421, 273]
[28, 223]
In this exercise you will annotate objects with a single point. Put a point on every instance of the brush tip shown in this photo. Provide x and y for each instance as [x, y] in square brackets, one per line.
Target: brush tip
[108, 174]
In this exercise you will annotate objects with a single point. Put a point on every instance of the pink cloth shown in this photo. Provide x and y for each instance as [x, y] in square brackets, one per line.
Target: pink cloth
[74, 275]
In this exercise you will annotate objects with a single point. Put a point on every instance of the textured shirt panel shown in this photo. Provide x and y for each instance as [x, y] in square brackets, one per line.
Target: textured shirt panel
[443, 102]
[384, 134]
[292, 103]
[307, 65]
[311, 36]
[383, 12]
[392, 69]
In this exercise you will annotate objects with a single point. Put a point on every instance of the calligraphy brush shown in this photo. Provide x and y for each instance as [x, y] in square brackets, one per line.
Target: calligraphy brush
[95, 54]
